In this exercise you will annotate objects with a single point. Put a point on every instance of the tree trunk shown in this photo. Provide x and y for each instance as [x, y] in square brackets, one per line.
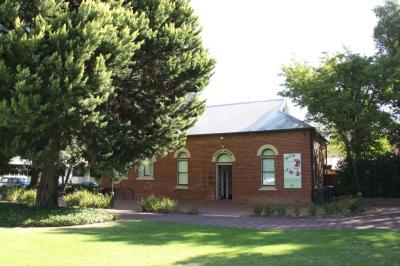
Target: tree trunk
[353, 160]
[34, 178]
[65, 180]
[47, 194]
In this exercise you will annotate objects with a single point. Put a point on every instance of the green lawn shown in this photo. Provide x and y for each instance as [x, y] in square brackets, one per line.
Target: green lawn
[154, 243]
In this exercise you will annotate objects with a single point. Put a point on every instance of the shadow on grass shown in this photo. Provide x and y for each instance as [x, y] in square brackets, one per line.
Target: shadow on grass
[252, 247]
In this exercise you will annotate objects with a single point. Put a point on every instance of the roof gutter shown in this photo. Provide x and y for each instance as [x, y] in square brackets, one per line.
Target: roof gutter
[258, 131]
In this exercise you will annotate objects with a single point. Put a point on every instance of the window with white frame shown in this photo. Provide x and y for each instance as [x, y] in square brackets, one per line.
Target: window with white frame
[268, 167]
[183, 169]
[145, 168]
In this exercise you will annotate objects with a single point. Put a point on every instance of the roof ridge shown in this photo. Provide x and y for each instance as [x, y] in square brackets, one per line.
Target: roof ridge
[238, 103]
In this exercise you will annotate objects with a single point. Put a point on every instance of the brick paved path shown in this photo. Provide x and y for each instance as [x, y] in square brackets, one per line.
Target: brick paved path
[384, 218]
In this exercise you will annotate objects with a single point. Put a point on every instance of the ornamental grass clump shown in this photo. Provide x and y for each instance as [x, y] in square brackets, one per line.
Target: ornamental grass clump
[257, 209]
[312, 210]
[159, 205]
[10, 194]
[356, 206]
[86, 199]
[269, 210]
[281, 210]
[193, 209]
[296, 210]
[329, 209]
[335, 208]
[27, 197]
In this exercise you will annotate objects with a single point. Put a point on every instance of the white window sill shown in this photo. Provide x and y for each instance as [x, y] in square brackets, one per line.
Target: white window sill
[269, 188]
[182, 187]
[145, 178]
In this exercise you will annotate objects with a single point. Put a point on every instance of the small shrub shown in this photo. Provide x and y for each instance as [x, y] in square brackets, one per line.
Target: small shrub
[158, 205]
[356, 206]
[86, 199]
[27, 197]
[257, 209]
[194, 209]
[312, 210]
[335, 208]
[281, 210]
[269, 210]
[341, 208]
[330, 208]
[296, 210]
[10, 194]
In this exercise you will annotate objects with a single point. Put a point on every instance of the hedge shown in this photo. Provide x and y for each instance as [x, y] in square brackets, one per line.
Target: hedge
[378, 177]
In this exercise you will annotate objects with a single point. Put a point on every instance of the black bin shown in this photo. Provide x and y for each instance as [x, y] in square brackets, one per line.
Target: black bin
[318, 196]
[328, 194]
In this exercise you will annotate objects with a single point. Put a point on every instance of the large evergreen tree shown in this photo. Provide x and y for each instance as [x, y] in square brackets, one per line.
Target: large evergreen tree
[156, 100]
[56, 69]
[118, 78]
[5, 152]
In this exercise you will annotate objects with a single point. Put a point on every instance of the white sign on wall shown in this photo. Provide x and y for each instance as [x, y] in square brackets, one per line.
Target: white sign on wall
[292, 170]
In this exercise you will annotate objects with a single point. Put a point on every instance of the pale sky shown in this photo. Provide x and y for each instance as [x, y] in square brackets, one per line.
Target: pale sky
[251, 40]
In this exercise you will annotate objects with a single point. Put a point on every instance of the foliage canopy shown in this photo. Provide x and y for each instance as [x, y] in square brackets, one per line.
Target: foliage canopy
[342, 94]
[118, 78]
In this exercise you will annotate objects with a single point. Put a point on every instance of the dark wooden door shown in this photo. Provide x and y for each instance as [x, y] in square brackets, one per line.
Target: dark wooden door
[224, 181]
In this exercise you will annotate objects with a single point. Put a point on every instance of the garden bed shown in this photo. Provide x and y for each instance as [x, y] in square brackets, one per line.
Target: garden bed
[14, 214]
[337, 208]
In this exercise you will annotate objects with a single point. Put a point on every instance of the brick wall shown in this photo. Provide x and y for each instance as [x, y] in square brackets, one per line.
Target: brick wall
[246, 170]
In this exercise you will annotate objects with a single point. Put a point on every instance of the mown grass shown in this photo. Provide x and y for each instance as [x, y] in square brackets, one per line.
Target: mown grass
[157, 243]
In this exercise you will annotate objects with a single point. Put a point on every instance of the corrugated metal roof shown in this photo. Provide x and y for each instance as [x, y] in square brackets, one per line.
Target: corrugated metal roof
[256, 116]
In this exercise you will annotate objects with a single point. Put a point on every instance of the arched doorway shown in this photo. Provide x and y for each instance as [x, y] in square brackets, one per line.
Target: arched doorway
[223, 159]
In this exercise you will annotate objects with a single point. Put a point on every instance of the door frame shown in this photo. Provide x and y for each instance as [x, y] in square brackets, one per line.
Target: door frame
[215, 160]
[217, 179]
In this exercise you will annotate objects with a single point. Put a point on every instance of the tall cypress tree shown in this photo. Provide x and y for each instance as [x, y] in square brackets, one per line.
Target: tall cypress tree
[120, 78]
[56, 69]
[157, 99]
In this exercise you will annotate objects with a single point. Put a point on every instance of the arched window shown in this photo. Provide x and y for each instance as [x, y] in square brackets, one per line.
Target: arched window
[223, 154]
[268, 167]
[183, 169]
[224, 158]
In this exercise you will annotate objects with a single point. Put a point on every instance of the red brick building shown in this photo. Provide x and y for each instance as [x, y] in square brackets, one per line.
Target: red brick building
[249, 152]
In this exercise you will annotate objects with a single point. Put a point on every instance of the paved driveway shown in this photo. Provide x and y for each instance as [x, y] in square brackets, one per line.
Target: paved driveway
[238, 215]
